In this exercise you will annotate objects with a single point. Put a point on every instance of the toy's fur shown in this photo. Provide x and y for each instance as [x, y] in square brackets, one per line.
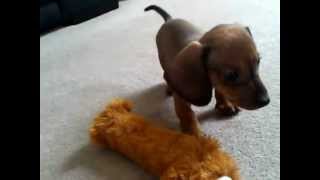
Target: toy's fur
[166, 153]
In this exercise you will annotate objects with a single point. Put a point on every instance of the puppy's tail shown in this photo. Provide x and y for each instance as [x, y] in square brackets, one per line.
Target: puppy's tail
[159, 10]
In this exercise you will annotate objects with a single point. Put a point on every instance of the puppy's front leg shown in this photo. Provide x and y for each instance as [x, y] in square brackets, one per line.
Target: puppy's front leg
[188, 121]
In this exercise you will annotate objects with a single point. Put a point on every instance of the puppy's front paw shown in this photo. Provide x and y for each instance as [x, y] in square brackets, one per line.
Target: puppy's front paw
[191, 127]
[194, 131]
[226, 109]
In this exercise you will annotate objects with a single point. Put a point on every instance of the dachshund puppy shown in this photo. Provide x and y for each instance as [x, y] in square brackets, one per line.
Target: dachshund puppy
[224, 58]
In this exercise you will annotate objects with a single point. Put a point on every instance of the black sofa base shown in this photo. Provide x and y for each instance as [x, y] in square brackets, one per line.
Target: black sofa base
[75, 12]
[54, 13]
[50, 16]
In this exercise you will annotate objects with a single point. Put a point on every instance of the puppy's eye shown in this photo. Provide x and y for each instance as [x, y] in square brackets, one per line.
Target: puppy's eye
[231, 76]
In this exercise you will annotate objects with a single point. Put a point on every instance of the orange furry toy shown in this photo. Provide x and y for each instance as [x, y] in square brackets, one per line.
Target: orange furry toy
[163, 152]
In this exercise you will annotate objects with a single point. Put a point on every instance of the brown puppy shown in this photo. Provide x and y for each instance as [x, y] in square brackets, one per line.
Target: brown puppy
[225, 58]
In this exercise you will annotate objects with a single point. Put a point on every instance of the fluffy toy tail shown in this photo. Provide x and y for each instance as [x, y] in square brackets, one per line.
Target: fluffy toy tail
[119, 105]
[107, 118]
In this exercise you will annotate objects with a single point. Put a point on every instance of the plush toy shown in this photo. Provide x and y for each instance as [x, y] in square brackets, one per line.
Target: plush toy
[163, 152]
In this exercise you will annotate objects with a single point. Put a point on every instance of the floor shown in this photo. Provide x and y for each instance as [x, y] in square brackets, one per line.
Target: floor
[83, 67]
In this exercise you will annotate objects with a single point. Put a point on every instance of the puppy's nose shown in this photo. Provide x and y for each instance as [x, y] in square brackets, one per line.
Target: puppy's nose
[263, 101]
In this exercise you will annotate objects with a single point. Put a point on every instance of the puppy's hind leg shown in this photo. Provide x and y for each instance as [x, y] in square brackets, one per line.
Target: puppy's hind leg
[169, 91]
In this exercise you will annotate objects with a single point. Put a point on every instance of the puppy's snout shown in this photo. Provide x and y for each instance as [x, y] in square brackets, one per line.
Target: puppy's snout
[263, 101]
[262, 97]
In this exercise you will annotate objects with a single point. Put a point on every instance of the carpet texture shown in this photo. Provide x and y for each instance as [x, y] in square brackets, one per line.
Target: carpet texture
[83, 67]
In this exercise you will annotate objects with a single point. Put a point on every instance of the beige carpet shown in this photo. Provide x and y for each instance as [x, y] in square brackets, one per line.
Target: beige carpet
[82, 67]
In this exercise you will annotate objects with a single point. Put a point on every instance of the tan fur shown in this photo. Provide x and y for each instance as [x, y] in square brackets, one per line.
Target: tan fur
[162, 152]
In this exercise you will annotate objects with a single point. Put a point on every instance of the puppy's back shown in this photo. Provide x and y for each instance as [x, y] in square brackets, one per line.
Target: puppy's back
[173, 36]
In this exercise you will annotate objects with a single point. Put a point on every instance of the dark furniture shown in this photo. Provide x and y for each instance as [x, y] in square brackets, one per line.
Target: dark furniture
[55, 13]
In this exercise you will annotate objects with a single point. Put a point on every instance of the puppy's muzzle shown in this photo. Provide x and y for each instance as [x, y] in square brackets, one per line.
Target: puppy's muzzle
[263, 101]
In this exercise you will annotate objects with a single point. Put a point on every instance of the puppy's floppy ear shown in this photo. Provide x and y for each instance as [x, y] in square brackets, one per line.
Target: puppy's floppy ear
[248, 29]
[187, 75]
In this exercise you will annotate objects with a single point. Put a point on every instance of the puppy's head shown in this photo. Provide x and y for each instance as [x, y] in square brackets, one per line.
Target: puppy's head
[226, 58]
[232, 63]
